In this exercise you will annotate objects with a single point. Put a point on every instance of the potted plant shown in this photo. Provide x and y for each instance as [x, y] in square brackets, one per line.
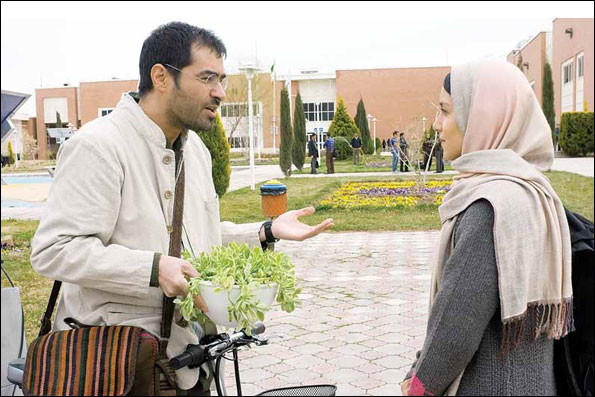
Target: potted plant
[239, 285]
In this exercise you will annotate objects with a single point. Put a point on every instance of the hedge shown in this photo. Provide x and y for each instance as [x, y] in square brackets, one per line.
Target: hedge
[576, 133]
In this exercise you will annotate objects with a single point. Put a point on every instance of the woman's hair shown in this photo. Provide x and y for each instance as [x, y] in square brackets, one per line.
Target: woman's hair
[446, 83]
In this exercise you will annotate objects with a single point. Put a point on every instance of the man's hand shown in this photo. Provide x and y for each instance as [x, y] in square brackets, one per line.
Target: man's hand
[172, 279]
[405, 387]
[288, 227]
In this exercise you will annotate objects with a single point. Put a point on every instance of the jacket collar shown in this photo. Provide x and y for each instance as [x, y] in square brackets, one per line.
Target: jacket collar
[145, 126]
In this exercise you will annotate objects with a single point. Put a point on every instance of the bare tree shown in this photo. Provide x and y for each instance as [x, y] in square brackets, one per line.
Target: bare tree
[29, 147]
[237, 99]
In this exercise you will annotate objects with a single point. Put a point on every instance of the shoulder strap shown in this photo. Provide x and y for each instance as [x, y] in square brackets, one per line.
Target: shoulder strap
[46, 318]
[175, 250]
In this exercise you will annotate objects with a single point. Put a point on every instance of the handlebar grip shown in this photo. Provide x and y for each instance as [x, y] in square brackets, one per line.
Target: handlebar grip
[258, 329]
[194, 356]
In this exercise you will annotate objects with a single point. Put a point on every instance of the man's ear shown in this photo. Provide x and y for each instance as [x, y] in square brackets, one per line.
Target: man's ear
[160, 77]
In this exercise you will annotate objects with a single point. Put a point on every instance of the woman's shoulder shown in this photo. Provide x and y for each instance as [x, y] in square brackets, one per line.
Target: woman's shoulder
[476, 221]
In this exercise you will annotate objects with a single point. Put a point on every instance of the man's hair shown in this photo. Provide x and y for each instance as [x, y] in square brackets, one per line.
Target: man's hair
[402, 134]
[171, 44]
[395, 132]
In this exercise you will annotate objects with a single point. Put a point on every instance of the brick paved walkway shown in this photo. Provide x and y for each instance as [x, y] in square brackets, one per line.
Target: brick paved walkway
[365, 299]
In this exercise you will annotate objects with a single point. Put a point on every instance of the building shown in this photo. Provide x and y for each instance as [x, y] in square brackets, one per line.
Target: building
[531, 56]
[568, 48]
[400, 99]
[573, 65]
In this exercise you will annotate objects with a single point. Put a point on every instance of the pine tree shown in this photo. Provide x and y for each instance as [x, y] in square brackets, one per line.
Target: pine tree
[299, 134]
[58, 120]
[547, 100]
[216, 141]
[286, 135]
[361, 120]
[342, 124]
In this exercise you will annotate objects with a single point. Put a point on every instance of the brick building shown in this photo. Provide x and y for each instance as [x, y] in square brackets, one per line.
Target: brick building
[397, 98]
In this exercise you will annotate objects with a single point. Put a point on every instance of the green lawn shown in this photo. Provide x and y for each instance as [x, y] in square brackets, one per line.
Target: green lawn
[245, 206]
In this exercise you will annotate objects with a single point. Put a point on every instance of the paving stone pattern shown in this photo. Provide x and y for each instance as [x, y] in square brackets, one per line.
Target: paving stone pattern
[363, 315]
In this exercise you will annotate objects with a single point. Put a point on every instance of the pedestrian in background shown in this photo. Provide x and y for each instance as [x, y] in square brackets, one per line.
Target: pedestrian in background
[329, 145]
[393, 145]
[313, 152]
[356, 145]
[403, 156]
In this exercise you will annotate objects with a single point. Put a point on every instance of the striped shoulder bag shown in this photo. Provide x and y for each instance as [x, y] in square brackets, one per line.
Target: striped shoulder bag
[105, 360]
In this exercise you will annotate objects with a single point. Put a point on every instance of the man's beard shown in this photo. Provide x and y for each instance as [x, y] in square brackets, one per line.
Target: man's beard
[187, 119]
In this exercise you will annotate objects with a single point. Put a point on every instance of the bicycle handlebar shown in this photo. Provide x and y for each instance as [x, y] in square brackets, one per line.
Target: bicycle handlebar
[195, 355]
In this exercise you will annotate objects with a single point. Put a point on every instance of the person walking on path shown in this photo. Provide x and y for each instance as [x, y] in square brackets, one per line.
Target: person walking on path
[403, 155]
[393, 145]
[504, 233]
[427, 149]
[330, 148]
[356, 145]
[313, 152]
[384, 145]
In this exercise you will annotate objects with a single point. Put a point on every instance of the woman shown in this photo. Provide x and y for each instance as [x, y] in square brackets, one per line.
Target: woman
[501, 286]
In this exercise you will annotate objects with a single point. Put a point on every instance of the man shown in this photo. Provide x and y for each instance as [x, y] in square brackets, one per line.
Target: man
[110, 213]
[439, 157]
[356, 145]
[403, 155]
[427, 149]
[313, 152]
[329, 145]
[393, 146]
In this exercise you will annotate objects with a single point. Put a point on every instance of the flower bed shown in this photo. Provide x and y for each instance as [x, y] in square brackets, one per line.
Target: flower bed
[386, 194]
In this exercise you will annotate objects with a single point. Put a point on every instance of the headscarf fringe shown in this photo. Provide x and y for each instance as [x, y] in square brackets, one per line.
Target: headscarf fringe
[555, 320]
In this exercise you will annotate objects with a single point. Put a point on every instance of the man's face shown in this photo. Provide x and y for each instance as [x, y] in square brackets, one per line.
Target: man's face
[192, 105]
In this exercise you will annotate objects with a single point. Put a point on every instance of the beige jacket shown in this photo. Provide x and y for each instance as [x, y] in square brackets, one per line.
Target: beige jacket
[110, 208]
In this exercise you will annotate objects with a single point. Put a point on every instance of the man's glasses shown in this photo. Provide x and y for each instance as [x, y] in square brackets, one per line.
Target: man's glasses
[211, 80]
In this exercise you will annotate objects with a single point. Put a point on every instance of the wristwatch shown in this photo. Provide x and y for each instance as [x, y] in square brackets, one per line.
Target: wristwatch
[268, 233]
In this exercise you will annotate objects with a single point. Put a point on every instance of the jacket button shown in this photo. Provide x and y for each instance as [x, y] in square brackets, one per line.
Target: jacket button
[168, 195]
[170, 229]
[167, 160]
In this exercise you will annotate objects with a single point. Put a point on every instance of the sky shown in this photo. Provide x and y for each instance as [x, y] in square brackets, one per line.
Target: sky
[48, 44]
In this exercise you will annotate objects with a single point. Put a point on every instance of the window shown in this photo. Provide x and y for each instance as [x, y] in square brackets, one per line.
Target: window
[104, 111]
[567, 78]
[580, 60]
[324, 111]
[238, 109]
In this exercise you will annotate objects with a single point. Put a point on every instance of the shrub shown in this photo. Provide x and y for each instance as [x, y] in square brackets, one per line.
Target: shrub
[11, 156]
[342, 124]
[343, 147]
[576, 133]
[299, 134]
[286, 135]
[378, 146]
[216, 141]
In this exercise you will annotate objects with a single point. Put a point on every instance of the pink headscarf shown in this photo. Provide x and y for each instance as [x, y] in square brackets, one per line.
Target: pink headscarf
[503, 112]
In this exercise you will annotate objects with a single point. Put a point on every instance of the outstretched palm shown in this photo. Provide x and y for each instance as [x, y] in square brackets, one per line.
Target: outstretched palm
[288, 227]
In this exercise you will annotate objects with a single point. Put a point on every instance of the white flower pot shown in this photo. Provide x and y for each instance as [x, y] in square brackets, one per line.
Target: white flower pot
[217, 302]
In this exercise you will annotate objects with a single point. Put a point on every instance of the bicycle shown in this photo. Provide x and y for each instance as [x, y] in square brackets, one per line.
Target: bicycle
[214, 348]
